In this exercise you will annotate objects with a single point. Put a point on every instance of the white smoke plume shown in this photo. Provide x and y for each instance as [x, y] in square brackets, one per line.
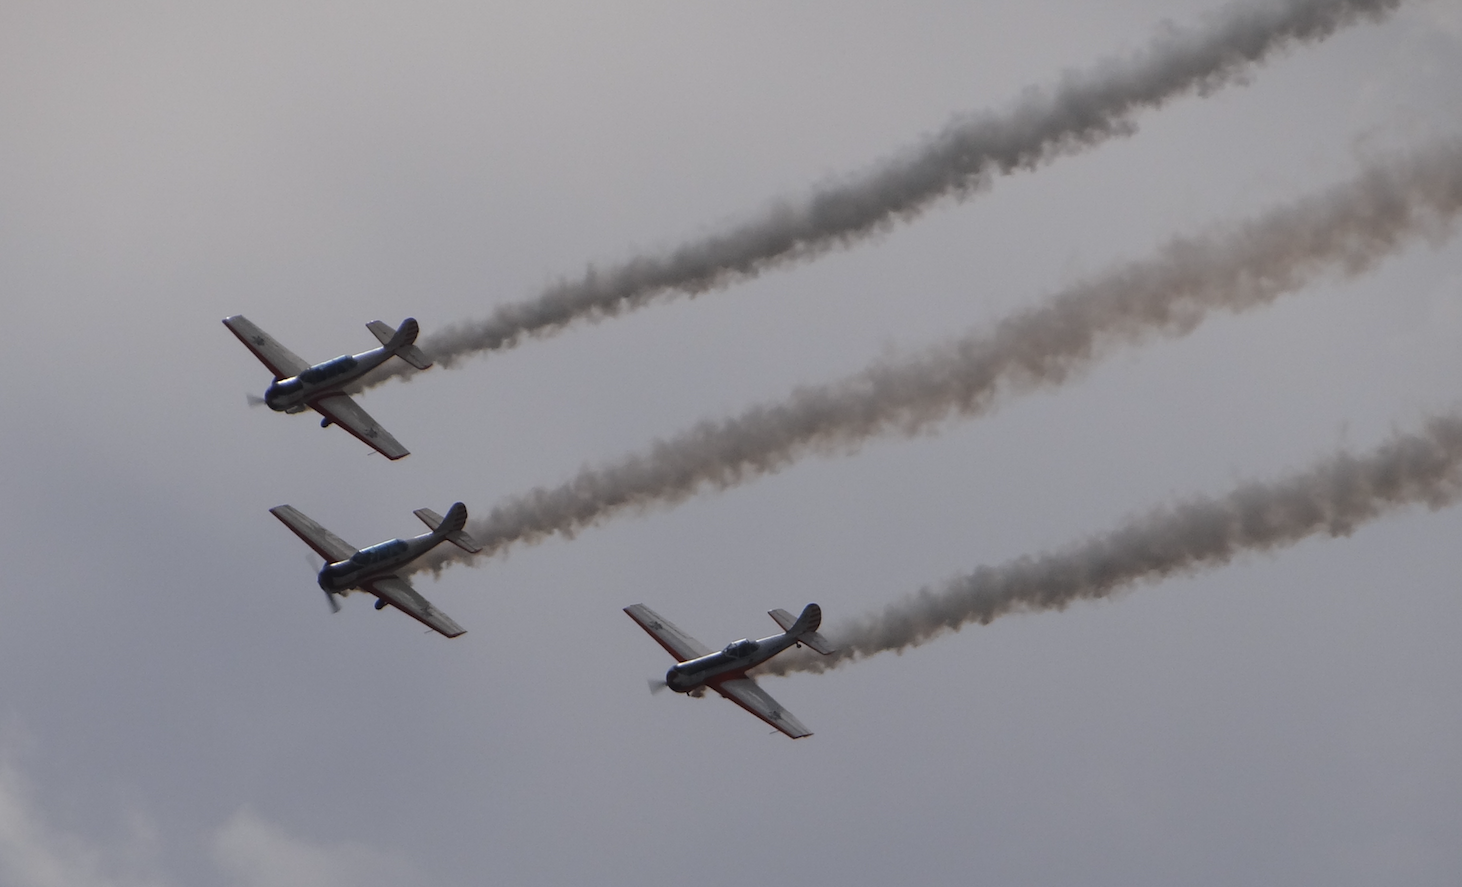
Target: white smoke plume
[1332, 498]
[1084, 110]
[1343, 231]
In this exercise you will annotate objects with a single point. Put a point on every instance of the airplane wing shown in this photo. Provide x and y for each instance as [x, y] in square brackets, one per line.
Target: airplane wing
[282, 362]
[328, 545]
[346, 413]
[399, 594]
[676, 642]
[745, 693]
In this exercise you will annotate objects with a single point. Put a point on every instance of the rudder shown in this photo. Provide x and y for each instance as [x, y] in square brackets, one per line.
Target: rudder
[401, 341]
[810, 620]
[450, 527]
[804, 627]
[455, 520]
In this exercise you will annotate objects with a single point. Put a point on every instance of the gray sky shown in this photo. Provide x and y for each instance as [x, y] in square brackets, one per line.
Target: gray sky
[181, 708]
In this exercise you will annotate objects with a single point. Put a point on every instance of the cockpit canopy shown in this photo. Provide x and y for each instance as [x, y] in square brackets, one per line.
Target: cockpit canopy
[328, 370]
[378, 553]
[742, 648]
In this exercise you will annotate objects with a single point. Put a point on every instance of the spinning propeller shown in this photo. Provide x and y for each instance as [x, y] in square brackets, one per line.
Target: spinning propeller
[317, 563]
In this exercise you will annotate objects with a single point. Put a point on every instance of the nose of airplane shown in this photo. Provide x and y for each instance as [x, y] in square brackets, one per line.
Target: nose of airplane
[276, 392]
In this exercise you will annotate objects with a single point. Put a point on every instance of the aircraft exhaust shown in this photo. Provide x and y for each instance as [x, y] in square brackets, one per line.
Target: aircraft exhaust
[1082, 111]
[1341, 232]
[1332, 498]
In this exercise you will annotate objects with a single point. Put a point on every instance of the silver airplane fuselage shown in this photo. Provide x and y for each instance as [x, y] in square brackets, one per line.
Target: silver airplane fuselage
[378, 560]
[693, 675]
[294, 394]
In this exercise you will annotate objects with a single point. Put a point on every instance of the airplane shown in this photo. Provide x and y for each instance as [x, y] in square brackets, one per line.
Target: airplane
[298, 386]
[374, 569]
[697, 667]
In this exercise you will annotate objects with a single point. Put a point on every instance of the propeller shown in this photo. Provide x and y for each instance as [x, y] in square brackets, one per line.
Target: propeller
[656, 685]
[316, 563]
[254, 399]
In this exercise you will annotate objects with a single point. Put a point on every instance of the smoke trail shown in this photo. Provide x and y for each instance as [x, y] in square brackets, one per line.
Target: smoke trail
[1345, 230]
[1082, 111]
[1332, 498]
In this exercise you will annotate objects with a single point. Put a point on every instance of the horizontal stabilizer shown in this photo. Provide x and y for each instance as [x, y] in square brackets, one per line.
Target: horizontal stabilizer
[451, 526]
[382, 330]
[402, 340]
[809, 636]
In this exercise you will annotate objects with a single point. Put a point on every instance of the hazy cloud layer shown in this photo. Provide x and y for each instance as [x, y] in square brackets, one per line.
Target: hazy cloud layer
[258, 853]
[248, 851]
[33, 853]
[1332, 498]
[1343, 231]
[1084, 110]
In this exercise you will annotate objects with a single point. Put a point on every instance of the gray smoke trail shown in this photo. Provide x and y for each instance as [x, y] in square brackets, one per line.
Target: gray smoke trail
[1332, 498]
[1082, 111]
[1345, 230]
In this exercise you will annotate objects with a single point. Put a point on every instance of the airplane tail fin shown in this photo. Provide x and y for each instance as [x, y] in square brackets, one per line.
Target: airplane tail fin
[401, 341]
[450, 527]
[804, 627]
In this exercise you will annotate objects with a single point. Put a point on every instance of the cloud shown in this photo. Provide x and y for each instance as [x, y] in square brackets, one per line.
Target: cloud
[35, 853]
[248, 851]
[254, 852]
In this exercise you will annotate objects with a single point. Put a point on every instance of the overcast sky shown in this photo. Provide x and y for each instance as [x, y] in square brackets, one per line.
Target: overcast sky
[181, 708]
